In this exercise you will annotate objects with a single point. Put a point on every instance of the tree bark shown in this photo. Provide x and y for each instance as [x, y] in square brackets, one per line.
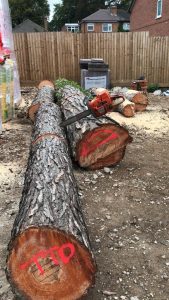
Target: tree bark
[49, 253]
[95, 143]
[139, 98]
[45, 94]
[126, 108]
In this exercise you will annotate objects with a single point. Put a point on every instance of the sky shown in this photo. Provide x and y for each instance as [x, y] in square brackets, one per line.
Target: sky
[51, 3]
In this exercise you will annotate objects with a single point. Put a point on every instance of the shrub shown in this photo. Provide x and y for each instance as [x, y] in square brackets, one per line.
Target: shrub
[152, 87]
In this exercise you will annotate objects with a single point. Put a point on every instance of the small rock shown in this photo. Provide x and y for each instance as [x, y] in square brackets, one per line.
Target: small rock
[107, 170]
[97, 240]
[95, 176]
[93, 182]
[134, 298]
[156, 93]
[108, 293]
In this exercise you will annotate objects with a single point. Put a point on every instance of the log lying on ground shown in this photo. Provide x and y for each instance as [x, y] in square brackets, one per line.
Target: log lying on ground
[127, 108]
[139, 98]
[95, 143]
[49, 253]
[45, 83]
[45, 94]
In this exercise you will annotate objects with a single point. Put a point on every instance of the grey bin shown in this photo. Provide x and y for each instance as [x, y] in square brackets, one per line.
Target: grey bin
[94, 73]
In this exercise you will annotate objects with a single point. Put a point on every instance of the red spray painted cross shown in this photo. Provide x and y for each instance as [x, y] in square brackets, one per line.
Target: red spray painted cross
[50, 252]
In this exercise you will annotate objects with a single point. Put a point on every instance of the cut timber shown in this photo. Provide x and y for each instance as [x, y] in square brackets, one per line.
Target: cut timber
[49, 254]
[139, 98]
[127, 108]
[45, 95]
[45, 83]
[94, 143]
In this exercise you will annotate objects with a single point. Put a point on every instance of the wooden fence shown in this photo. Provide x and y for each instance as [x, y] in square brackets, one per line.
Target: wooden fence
[50, 55]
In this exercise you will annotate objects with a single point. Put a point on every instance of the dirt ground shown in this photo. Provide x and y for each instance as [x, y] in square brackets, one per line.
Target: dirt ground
[126, 207]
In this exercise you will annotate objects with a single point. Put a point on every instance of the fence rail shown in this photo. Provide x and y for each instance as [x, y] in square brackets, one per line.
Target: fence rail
[50, 55]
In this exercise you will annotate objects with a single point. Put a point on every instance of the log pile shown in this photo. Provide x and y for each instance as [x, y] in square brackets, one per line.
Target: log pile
[137, 101]
[49, 255]
[95, 143]
[138, 98]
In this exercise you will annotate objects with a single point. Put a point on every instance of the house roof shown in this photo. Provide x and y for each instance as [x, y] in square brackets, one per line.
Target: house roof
[105, 15]
[131, 5]
[28, 26]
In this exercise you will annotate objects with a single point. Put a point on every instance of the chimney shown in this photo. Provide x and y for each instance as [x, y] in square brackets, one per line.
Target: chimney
[46, 23]
[113, 10]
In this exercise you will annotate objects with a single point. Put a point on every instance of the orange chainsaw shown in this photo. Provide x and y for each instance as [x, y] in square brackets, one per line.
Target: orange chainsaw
[102, 103]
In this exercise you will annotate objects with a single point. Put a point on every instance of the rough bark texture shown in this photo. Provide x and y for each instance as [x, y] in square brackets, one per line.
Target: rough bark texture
[93, 144]
[127, 108]
[49, 216]
[45, 94]
[139, 98]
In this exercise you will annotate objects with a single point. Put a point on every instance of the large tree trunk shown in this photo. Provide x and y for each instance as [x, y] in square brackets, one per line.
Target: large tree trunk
[95, 143]
[49, 253]
[127, 108]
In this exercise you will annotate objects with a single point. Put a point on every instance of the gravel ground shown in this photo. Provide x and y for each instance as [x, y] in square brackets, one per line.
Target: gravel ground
[126, 207]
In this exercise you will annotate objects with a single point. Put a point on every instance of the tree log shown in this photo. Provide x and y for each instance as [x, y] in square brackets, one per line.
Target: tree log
[49, 256]
[45, 83]
[139, 98]
[127, 108]
[45, 95]
[94, 143]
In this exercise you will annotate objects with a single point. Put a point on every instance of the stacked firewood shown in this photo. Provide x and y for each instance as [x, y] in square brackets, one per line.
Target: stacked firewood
[135, 101]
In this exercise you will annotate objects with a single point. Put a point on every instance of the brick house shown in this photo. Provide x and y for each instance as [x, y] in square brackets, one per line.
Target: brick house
[152, 16]
[107, 20]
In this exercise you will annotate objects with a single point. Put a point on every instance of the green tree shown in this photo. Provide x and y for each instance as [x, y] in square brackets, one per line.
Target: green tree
[35, 10]
[58, 19]
[120, 3]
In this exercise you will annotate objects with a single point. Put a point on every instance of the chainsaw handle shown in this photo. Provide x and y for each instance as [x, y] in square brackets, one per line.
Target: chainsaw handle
[117, 96]
[86, 100]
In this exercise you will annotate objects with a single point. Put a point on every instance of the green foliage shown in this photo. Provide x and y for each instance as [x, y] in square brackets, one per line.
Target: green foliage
[120, 3]
[35, 10]
[62, 82]
[152, 87]
[120, 28]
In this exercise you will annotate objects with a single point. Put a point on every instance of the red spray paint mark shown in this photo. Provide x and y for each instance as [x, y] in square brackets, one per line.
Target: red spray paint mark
[50, 252]
[86, 150]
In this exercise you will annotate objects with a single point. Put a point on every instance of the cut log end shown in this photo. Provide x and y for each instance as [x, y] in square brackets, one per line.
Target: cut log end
[129, 111]
[33, 110]
[45, 83]
[103, 146]
[140, 107]
[140, 98]
[50, 264]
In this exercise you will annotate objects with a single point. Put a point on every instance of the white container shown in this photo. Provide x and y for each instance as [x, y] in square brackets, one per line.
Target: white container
[7, 39]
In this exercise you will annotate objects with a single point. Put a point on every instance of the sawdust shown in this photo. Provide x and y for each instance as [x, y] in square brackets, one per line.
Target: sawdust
[155, 120]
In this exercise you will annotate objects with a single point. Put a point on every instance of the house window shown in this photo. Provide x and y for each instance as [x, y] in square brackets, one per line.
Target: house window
[72, 28]
[126, 26]
[106, 27]
[159, 8]
[90, 27]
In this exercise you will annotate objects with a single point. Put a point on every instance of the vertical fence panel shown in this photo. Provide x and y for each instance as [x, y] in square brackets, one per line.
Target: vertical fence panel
[49, 55]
